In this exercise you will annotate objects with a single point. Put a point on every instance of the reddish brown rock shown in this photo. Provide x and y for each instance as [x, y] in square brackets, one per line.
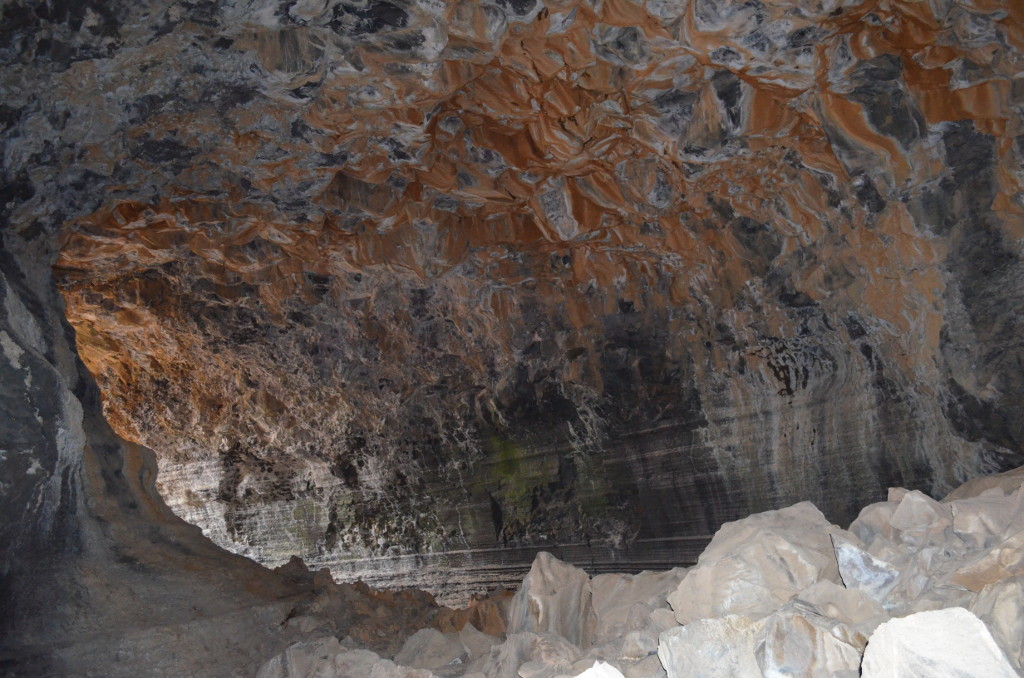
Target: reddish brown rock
[414, 290]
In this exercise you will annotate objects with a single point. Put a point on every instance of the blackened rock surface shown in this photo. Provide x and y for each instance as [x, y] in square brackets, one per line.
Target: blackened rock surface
[387, 280]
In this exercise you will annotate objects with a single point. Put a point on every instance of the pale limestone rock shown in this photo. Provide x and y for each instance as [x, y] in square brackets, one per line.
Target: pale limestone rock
[852, 607]
[935, 598]
[431, 649]
[540, 669]
[944, 552]
[554, 598]
[624, 602]
[1005, 559]
[982, 520]
[625, 651]
[799, 642]
[920, 519]
[862, 571]
[950, 642]
[712, 648]
[662, 620]
[872, 524]
[546, 650]
[1001, 607]
[753, 566]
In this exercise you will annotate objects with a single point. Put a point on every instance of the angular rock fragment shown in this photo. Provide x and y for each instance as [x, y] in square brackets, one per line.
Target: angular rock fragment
[852, 607]
[554, 598]
[862, 571]
[648, 667]
[546, 653]
[624, 602]
[950, 642]
[477, 643]
[1005, 483]
[431, 649]
[712, 648]
[981, 521]
[920, 520]
[1002, 560]
[327, 657]
[753, 566]
[356, 663]
[799, 642]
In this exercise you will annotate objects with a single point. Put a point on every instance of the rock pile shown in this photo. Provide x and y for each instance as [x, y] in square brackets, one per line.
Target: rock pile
[914, 587]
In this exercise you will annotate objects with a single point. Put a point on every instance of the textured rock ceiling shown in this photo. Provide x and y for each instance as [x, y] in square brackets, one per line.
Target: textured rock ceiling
[382, 278]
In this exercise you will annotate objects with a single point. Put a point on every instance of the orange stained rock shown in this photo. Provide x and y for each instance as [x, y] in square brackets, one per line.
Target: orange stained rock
[483, 172]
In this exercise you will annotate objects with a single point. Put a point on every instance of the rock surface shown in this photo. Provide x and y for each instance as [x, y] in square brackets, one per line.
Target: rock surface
[755, 565]
[718, 648]
[949, 642]
[97, 576]
[395, 279]
[417, 289]
[800, 642]
[555, 598]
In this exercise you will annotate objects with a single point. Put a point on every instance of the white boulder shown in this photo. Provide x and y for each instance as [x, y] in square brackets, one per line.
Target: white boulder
[355, 663]
[951, 642]
[919, 519]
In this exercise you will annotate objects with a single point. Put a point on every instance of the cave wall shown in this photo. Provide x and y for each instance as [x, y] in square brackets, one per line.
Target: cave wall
[97, 575]
[394, 283]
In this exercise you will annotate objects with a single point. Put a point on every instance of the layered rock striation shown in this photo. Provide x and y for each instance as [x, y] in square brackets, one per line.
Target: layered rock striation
[393, 283]
[914, 587]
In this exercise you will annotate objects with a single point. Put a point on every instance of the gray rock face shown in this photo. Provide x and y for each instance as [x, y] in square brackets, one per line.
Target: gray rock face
[392, 280]
[93, 566]
[418, 288]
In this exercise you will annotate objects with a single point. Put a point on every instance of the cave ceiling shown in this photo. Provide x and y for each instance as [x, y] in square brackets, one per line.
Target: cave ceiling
[400, 277]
